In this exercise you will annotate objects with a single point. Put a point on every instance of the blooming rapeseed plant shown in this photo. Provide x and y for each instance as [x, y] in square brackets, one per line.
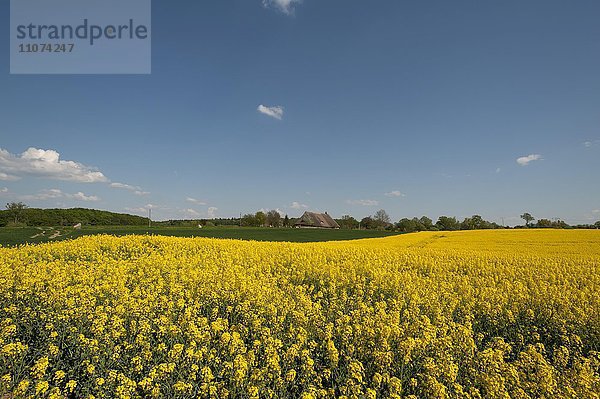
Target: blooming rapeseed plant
[480, 314]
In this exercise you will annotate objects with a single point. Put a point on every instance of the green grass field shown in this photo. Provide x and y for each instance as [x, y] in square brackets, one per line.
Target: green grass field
[11, 236]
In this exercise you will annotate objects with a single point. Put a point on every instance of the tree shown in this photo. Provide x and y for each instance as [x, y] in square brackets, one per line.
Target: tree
[348, 222]
[368, 223]
[249, 220]
[447, 223]
[544, 223]
[16, 209]
[407, 225]
[527, 218]
[475, 222]
[426, 222]
[382, 218]
[273, 218]
[286, 221]
[261, 218]
[597, 224]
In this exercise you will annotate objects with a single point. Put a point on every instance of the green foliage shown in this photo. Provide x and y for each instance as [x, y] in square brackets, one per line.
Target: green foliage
[250, 220]
[70, 217]
[447, 223]
[368, 223]
[273, 219]
[527, 218]
[476, 222]
[15, 211]
[261, 218]
[410, 225]
[347, 222]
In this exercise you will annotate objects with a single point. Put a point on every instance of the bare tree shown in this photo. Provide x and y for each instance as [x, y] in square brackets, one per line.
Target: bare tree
[382, 218]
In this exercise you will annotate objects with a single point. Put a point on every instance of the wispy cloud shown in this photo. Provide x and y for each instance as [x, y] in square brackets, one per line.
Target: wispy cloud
[124, 186]
[524, 161]
[297, 205]
[55, 193]
[212, 212]
[596, 211]
[192, 212]
[195, 201]
[274, 112]
[363, 202]
[498, 170]
[285, 6]
[3, 190]
[7, 177]
[47, 164]
[395, 193]
[134, 189]
[591, 143]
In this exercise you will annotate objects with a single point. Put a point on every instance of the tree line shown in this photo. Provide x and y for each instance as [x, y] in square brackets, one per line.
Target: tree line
[17, 214]
[381, 220]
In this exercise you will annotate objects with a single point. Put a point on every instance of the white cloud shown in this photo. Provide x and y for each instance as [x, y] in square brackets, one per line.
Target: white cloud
[274, 112]
[55, 193]
[7, 177]
[591, 143]
[82, 197]
[524, 161]
[195, 201]
[212, 212]
[297, 205]
[134, 189]
[124, 186]
[395, 193]
[192, 212]
[363, 202]
[3, 190]
[498, 170]
[596, 211]
[44, 195]
[285, 6]
[47, 164]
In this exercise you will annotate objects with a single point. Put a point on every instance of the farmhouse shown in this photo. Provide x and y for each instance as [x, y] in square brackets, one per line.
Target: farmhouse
[316, 221]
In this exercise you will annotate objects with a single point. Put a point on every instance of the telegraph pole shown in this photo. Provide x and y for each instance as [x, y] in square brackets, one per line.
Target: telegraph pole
[149, 217]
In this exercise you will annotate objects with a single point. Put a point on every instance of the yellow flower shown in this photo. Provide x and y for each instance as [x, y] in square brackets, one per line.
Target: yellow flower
[39, 368]
[41, 387]
[71, 385]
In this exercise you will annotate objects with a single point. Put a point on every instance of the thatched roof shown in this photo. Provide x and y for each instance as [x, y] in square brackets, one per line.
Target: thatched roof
[314, 219]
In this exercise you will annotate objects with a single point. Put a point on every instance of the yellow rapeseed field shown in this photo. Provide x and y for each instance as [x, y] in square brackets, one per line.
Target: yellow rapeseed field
[490, 314]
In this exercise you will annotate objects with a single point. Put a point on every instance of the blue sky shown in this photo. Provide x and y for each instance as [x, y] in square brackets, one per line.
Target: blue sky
[419, 108]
